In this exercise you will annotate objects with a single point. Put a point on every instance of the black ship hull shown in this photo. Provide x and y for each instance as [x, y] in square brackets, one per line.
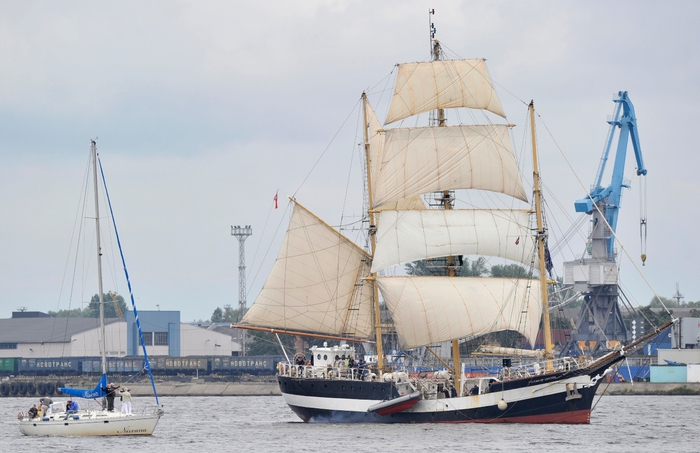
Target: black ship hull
[554, 397]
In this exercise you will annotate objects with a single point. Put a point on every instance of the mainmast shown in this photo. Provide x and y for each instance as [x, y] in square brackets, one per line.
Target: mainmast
[436, 51]
[373, 239]
[99, 259]
[541, 235]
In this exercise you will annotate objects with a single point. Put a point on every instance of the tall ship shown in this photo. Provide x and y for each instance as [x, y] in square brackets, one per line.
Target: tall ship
[324, 285]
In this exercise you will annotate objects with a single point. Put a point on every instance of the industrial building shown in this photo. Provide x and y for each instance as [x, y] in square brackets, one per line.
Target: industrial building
[37, 335]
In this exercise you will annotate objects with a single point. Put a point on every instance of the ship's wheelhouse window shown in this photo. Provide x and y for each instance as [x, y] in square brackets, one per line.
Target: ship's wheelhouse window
[325, 357]
[318, 356]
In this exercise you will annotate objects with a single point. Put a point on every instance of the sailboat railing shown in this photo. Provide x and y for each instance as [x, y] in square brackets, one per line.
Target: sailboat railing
[146, 363]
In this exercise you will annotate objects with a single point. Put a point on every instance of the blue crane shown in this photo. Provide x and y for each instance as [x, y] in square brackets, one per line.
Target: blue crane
[600, 324]
[610, 196]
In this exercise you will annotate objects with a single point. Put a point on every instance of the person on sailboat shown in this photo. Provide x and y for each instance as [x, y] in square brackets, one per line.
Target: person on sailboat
[45, 403]
[109, 394]
[126, 400]
[33, 412]
[71, 408]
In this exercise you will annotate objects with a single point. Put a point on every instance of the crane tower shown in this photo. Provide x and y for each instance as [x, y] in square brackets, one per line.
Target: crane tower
[600, 324]
[241, 233]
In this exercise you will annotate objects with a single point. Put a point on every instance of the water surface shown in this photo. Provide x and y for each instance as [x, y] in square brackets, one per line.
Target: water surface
[265, 424]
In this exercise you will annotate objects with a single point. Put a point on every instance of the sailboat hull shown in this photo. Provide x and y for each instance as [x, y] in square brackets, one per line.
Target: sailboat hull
[99, 425]
[564, 397]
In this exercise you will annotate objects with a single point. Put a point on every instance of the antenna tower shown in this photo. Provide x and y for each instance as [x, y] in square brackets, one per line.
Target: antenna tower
[241, 234]
[678, 296]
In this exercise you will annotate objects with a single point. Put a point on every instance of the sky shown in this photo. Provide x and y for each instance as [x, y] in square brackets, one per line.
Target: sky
[203, 111]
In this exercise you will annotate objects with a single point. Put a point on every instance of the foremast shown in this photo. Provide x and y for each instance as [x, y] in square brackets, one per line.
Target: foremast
[541, 237]
[103, 349]
[373, 239]
[447, 205]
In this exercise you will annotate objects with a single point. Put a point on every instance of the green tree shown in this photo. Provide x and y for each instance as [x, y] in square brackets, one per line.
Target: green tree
[73, 313]
[656, 303]
[475, 268]
[437, 266]
[228, 314]
[509, 271]
[265, 343]
[217, 316]
[115, 307]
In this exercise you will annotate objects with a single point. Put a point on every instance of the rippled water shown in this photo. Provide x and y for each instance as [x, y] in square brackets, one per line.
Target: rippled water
[265, 424]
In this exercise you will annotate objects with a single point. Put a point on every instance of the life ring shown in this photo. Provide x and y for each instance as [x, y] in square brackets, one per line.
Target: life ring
[31, 388]
[59, 386]
[22, 388]
[41, 389]
[13, 388]
[50, 389]
[4, 389]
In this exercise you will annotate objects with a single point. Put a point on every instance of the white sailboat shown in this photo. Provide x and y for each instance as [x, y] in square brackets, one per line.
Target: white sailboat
[323, 284]
[95, 422]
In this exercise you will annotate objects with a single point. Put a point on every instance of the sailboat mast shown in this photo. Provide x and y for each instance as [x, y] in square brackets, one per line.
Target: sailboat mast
[99, 259]
[548, 346]
[447, 205]
[373, 239]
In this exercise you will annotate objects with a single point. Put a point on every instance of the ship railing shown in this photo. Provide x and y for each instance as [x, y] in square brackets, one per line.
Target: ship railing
[323, 372]
[541, 367]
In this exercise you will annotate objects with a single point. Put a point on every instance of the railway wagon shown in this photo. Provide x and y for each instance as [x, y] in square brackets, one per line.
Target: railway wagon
[175, 365]
[49, 366]
[8, 365]
[121, 365]
[248, 364]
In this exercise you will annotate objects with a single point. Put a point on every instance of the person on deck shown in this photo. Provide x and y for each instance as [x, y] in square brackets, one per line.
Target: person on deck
[126, 400]
[109, 394]
[474, 390]
[33, 412]
[71, 408]
[45, 403]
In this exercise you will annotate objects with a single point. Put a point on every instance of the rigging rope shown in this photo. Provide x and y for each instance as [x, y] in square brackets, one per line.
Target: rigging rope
[147, 365]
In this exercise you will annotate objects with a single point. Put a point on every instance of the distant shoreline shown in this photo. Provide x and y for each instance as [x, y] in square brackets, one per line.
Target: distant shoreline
[271, 388]
[268, 386]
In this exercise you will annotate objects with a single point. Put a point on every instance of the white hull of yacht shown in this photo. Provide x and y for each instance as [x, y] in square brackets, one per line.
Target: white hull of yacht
[91, 423]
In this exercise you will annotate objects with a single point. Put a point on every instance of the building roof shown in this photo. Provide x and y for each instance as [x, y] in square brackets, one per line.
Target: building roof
[46, 330]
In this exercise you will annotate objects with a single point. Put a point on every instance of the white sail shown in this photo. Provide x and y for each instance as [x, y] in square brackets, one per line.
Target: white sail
[429, 310]
[415, 161]
[316, 283]
[421, 87]
[405, 236]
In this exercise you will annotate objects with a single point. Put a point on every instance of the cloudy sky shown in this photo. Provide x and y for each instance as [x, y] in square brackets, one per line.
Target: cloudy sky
[204, 110]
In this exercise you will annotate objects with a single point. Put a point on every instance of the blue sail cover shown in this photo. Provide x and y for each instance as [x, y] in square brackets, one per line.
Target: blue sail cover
[97, 392]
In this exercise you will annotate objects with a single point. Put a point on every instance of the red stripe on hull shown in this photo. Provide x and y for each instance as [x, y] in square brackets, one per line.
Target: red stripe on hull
[398, 407]
[573, 417]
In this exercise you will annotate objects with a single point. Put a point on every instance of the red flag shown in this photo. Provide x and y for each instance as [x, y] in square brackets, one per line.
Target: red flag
[517, 241]
[275, 200]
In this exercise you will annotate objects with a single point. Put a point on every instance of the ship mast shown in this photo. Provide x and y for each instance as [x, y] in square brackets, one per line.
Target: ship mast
[373, 239]
[435, 51]
[541, 234]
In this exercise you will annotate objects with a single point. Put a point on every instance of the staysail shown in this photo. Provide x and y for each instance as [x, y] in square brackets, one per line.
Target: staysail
[415, 161]
[430, 85]
[405, 236]
[316, 284]
[429, 310]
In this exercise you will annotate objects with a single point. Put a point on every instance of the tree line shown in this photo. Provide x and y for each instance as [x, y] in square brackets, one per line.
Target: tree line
[114, 307]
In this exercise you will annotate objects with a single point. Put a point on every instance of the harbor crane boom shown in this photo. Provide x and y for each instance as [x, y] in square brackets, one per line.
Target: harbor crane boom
[600, 325]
